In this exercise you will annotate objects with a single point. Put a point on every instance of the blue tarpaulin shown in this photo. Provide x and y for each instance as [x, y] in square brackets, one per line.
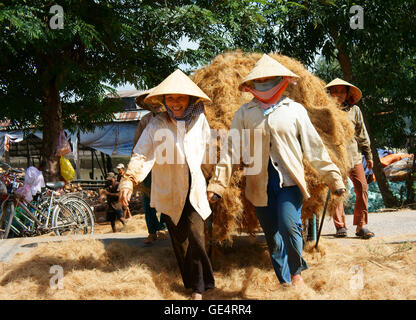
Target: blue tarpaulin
[112, 139]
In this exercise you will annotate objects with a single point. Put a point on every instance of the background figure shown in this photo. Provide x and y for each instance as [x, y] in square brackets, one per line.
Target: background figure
[155, 228]
[347, 95]
[121, 170]
[114, 208]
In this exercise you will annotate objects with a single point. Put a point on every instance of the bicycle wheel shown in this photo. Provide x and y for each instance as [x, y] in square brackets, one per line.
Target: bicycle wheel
[83, 205]
[84, 219]
[6, 220]
[68, 219]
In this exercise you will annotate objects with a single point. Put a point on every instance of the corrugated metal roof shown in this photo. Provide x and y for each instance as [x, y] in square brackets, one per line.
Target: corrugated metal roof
[130, 115]
[119, 116]
[126, 93]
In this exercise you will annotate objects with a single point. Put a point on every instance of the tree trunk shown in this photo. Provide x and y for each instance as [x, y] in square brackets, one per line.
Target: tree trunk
[342, 56]
[77, 160]
[346, 67]
[390, 201]
[52, 125]
[410, 182]
[7, 157]
[410, 179]
[345, 62]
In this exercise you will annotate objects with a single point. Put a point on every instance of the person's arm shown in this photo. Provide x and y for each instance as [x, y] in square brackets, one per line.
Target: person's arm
[139, 166]
[361, 135]
[315, 152]
[207, 165]
[223, 170]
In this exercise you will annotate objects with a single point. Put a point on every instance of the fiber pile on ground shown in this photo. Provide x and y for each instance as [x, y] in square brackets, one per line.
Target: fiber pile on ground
[93, 271]
[220, 81]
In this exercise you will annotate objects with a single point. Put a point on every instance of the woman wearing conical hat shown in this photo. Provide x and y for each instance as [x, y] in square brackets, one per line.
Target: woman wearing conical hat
[278, 188]
[173, 145]
[347, 96]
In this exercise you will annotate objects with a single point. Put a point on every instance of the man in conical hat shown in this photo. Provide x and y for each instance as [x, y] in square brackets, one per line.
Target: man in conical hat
[155, 227]
[347, 96]
[154, 110]
[173, 145]
[278, 189]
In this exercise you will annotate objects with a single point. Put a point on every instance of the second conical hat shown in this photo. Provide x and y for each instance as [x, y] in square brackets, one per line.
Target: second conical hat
[267, 67]
[354, 93]
[140, 102]
[141, 96]
[176, 83]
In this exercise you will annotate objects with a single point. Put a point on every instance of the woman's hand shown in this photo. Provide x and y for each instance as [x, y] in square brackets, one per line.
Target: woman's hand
[212, 197]
[370, 164]
[125, 195]
[340, 192]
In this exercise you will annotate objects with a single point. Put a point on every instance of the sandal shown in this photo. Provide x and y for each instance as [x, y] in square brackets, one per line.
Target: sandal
[364, 233]
[150, 238]
[341, 233]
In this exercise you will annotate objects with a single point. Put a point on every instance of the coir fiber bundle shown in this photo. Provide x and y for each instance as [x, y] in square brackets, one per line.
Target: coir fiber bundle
[220, 81]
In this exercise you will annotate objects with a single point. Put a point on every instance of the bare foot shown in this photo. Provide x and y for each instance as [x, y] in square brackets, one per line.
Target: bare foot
[161, 235]
[297, 280]
[196, 296]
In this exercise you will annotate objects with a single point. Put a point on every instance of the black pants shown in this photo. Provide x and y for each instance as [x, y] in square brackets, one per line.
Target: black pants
[188, 241]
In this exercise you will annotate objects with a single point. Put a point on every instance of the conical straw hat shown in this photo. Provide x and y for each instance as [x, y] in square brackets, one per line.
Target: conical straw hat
[155, 108]
[354, 94]
[141, 96]
[146, 106]
[267, 67]
[176, 83]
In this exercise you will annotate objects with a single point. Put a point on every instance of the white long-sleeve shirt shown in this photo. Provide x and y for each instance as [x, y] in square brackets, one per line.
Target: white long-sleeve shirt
[172, 151]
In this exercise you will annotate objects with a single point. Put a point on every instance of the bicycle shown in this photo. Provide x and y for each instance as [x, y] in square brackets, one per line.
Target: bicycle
[47, 213]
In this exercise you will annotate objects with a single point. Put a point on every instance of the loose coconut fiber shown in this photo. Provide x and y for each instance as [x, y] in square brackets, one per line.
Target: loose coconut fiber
[220, 81]
[92, 270]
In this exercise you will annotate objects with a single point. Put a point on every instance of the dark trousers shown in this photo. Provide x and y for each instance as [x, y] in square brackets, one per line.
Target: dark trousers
[188, 241]
[152, 222]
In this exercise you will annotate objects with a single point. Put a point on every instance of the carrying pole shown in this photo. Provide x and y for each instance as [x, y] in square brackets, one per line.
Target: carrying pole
[323, 217]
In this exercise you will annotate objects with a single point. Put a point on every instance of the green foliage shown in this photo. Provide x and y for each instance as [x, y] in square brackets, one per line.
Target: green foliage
[327, 71]
[382, 54]
[109, 41]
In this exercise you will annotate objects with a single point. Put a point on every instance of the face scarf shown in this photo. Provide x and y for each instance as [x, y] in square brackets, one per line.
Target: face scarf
[270, 97]
[194, 108]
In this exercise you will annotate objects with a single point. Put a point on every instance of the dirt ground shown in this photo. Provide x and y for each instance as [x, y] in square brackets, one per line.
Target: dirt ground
[92, 269]
[135, 224]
